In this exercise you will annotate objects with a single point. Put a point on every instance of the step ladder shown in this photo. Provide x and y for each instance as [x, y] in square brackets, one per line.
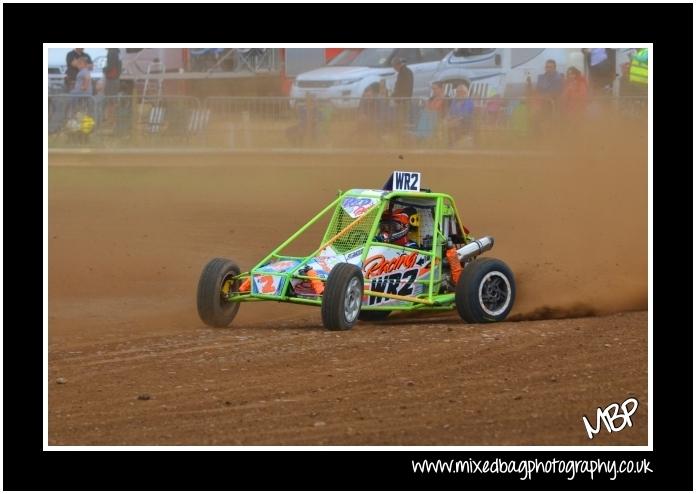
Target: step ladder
[152, 90]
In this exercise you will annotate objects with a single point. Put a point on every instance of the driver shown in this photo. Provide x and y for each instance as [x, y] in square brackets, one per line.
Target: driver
[394, 227]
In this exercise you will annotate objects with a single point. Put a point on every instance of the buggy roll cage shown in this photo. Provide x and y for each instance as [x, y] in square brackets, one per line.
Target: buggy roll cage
[338, 235]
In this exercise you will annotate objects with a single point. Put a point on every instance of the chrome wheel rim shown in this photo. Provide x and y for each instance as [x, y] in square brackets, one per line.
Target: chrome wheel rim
[494, 293]
[353, 299]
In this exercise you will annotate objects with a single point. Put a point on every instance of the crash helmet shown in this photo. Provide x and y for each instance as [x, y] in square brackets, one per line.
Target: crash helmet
[393, 227]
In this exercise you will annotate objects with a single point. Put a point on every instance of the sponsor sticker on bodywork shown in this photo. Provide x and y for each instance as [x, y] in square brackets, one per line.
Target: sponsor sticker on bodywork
[325, 261]
[357, 206]
[267, 284]
[397, 272]
[280, 266]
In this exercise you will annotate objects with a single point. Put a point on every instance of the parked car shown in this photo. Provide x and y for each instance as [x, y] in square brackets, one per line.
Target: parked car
[344, 80]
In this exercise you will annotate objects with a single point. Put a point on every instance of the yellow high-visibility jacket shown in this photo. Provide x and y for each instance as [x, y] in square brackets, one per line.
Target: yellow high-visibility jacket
[639, 67]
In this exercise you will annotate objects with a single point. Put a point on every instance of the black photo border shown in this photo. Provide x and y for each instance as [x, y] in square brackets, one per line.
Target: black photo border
[26, 26]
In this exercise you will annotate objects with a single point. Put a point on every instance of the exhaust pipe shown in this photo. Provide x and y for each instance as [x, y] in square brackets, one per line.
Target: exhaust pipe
[473, 249]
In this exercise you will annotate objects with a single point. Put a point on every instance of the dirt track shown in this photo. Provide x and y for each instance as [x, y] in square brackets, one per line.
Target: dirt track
[127, 242]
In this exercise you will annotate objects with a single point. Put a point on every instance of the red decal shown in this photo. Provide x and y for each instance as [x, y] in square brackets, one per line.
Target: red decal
[266, 283]
[378, 265]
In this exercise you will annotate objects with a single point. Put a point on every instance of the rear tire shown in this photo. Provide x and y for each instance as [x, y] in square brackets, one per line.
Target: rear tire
[342, 298]
[485, 291]
[373, 315]
[213, 309]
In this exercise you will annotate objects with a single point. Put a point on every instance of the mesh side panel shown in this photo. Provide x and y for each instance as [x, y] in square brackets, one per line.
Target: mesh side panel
[354, 237]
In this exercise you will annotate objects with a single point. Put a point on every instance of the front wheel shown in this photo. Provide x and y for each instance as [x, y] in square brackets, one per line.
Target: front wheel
[213, 287]
[342, 298]
[485, 291]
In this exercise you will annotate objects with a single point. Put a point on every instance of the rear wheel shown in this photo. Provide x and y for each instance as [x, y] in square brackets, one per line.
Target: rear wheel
[485, 291]
[213, 286]
[342, 298]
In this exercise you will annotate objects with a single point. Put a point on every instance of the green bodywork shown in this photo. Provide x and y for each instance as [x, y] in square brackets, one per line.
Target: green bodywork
[360, 233]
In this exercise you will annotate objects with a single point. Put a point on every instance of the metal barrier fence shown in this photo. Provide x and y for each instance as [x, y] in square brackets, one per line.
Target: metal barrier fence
[124, 121]
[71, 116]
[631, 107]
[278, 122]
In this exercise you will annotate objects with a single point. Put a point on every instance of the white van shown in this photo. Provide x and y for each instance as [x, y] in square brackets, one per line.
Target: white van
[502, 70]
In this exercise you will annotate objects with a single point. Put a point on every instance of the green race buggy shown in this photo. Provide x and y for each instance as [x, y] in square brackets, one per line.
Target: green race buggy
[357, 273]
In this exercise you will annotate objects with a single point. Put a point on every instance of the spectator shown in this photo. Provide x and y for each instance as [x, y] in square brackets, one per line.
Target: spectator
[102, 110]
[111, 83]
[638, 72]
[495, 107]
[437, 102]
[67, 105]
[520, 118]
[72, 70]
[429, 118]
[403, 89]
[83, 78]
[574, 98]
[550, 83]
[460, 116]
[374, 108]
[601, 62]
[83, 87]
[112, 72]
[549, 87]
[527, 113]
[367, 109]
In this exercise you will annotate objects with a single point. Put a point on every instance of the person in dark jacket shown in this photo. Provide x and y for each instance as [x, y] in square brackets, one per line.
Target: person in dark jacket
[403, 88]
[112, 85]
[601, 68]
[112, 72]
